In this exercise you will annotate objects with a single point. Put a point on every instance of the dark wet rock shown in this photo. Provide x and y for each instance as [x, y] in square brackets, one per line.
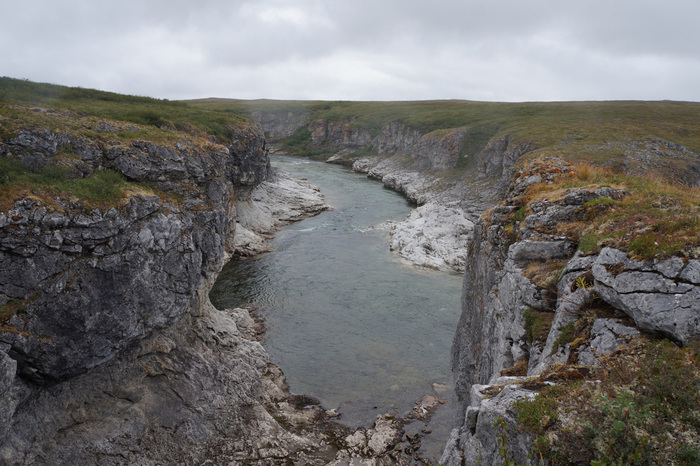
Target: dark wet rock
[8, 369]
[93, 282]
[196, 392]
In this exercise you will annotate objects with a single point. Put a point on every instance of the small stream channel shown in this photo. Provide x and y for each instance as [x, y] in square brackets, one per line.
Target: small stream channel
[347, 321]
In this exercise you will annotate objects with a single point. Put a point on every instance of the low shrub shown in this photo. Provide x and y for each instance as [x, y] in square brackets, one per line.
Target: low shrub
[644, 409]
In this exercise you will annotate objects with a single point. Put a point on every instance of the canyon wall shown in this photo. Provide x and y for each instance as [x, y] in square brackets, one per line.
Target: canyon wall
[495, 362]
[451, 188]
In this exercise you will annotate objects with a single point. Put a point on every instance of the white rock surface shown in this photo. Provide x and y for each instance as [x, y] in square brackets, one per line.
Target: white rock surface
[434, 236]
[275, 202]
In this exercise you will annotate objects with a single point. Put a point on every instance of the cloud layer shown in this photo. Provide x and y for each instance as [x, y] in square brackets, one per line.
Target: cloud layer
[507, 50]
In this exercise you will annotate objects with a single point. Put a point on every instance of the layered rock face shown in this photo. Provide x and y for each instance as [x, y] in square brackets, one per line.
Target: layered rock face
[338, 135]
[500, 288]
[436, 234]
[110, 352]
[90, 281]
[422, 167]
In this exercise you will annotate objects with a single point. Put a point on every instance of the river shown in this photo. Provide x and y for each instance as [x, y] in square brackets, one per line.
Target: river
[347, 321]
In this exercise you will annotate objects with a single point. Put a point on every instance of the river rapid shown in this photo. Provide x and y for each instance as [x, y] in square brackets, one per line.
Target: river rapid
[347, 321]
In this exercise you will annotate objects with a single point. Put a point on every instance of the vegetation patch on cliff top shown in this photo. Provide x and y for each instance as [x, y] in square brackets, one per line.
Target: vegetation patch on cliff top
[639, 406]
[659, 217]
[101, 189]
[155, 118]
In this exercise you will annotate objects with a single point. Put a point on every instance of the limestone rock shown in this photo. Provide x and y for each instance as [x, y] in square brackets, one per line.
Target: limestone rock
[606, 336]
[523, 252]
[280, 125]
[98, 280]
[338, 134]
[189, 394]
[661, 296]
[277, 201]
[433, 236]
[487, 421]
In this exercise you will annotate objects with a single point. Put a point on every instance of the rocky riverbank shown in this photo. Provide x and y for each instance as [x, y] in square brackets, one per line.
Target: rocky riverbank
[278, 200]
[424, 168]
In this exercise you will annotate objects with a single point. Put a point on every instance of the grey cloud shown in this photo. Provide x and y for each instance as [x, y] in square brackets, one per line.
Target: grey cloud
[366, 49]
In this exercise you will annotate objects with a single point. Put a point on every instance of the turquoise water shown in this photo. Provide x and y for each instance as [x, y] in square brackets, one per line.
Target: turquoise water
[346, 320]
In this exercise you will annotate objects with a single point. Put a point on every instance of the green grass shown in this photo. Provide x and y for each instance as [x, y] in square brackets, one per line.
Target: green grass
[101, 188]
[298, 142]
[644, 409]
[567, 335]
[658, 218]
[144, 111]
[537, 325]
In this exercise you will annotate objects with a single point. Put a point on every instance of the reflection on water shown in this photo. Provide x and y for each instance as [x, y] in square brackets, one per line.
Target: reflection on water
[346, 321]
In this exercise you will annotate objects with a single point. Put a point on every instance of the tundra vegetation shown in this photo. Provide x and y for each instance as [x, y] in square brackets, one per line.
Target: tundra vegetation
[103, 118]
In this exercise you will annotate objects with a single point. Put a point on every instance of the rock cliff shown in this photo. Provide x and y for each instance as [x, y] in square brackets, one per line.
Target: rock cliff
[280, 125]
[524, 267]
[110, 352]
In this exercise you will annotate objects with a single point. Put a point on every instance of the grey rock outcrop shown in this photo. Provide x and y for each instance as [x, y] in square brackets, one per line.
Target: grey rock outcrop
[499, 156]
[198, 391]
[488, 421]
[607, 335]
[279, 200]
[8, 370]
[336, 135]
[433, 236]
[110, 352]
[91, 281]
[659, 296]
[396, 137]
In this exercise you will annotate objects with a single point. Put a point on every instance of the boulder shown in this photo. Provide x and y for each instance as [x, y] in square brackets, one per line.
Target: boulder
[661, 296]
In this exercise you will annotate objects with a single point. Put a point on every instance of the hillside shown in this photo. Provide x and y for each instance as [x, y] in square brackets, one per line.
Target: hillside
[605, 132]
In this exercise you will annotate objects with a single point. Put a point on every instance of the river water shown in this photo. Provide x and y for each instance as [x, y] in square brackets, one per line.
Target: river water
[347, 321]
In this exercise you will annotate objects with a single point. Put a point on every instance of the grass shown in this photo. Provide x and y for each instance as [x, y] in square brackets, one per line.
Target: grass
[105, 120]
[537, 325]
[567, 335]
[142, 111]
[645, 409]
[658, 218]
[100, 189]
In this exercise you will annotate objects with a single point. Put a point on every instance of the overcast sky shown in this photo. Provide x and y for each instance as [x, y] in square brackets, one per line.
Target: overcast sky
[497, 50]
